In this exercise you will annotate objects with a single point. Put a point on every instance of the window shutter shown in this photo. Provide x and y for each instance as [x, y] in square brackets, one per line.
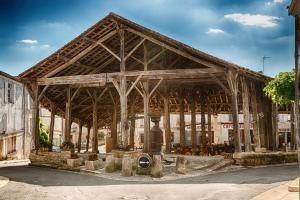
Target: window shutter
[5, 92]
[12, 92]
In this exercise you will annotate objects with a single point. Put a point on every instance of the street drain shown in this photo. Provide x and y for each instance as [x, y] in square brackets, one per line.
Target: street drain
[134, 197]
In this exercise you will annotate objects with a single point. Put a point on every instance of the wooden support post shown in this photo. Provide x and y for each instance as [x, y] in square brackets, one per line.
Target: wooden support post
[261, 120]
[35, 118]
[246, 113]
[255, 116]
[79, 137]
[146, 98]
[275, 126]
[146, 117]
[292, 121]
[132, 130]
[88, 138]
[181, 118]
[193, 121]
[95, 129]
[167, 125]
[233, 85]
[114, 127]
[123, 91]
[203, 128]
[209, 131]
[68, 122]
[51, 129]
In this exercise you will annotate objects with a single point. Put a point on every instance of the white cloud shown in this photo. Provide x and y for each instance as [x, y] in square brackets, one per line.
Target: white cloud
[45, 45]
[263, 21]
[274, 2]
[215, 31]
[27, 41]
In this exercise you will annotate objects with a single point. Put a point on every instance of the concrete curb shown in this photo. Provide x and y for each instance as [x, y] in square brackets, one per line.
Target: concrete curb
[3, 181]
[294, 185]
[280, 192]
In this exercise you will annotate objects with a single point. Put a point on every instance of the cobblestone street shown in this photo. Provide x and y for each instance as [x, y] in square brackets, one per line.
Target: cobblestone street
[43, 183]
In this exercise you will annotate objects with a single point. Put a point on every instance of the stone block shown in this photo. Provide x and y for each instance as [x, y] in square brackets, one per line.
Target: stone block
[181, 165]
[157, 168]
[73, 163]
[127, 165]
[110, 163]
[260, 150]
[93, 165]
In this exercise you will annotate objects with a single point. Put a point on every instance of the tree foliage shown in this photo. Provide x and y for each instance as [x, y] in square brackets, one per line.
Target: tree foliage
[44, 135]
[282, 88]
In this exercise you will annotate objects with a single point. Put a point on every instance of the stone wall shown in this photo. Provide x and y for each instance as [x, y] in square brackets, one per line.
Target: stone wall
[255, 159]
[53, 159]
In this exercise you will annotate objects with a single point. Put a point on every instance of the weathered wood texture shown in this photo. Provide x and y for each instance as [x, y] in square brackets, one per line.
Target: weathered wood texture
[233, 84]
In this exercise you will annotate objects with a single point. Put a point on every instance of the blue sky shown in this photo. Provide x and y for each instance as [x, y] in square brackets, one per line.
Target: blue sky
[240, 31]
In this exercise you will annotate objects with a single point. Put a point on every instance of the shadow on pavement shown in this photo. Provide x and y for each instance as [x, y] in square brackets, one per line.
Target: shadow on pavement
[52, 177]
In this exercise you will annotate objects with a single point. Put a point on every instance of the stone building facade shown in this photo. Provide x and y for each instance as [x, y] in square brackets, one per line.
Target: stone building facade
[15, 118]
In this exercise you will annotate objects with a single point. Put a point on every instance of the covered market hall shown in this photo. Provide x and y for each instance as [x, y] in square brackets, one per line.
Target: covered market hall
[118, 71]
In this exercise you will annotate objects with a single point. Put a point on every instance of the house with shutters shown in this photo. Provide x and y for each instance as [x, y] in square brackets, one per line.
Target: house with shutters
[15, 118]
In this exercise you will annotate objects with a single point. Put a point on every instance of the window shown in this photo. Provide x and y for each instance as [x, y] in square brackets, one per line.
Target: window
[9, 93]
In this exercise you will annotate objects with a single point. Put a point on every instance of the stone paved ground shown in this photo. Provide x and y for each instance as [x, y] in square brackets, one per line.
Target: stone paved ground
[43, 183]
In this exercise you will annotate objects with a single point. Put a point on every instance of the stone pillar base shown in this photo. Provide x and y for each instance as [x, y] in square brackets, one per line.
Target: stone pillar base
[157, 168]
[181, 165]
[260, 150]
[126, 166]
[74, 162]
[110, 163]
[94, 165]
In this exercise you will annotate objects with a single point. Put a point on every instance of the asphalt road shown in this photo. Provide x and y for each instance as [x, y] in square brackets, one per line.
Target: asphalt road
[42, 183]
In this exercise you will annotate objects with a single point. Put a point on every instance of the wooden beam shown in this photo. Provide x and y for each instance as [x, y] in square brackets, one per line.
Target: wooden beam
[193, 120]
[181, 119]
[133, 85]
[68, 117]
[95, 128]
[75, 93]
[35, 117]
[135, 48]
[156, 56]
[155, 87]
[79, 137]
[246, 113]
[233, 84]
[101, 95]
[43, 92]
[123, 90]
[167, 126]
[203, 127]
[275, 126]
[88, 138]
[51, 129]
[256, 118]
[78, 56]
[103, 78]
[179, 52]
